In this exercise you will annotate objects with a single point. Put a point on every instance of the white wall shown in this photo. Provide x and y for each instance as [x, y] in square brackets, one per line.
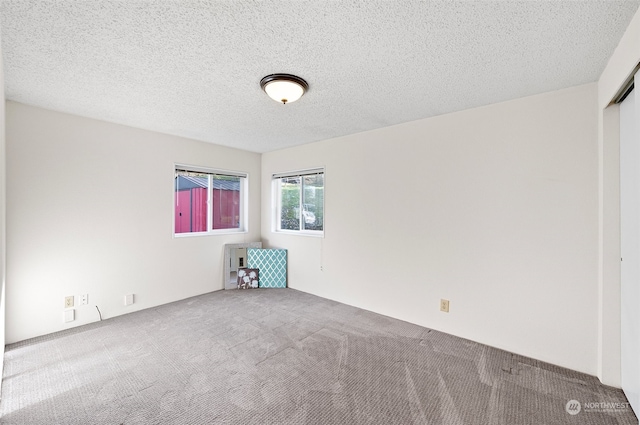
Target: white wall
[90, 210]
[621, 65]
[3, 255]
[493, 208]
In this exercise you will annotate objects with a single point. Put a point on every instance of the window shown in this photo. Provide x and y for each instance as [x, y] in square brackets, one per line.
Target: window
[300, 201]
[208, 201]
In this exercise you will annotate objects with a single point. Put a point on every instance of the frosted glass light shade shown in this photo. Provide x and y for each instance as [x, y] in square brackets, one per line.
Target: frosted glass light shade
[284, 91]
[284, 88]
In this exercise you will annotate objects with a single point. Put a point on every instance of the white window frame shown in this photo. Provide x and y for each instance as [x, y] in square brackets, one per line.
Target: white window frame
[244, 200]
[277, 201]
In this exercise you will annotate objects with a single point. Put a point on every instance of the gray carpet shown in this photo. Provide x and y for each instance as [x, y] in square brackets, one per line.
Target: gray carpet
[279, 356]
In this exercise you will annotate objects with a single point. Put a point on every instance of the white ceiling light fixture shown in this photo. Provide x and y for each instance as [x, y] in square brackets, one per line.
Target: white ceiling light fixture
[284, 88]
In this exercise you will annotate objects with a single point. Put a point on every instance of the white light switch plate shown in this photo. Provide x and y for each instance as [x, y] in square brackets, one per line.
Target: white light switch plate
[69, 315]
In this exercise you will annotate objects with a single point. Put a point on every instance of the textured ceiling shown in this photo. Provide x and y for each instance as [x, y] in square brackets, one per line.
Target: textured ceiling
[192, 68]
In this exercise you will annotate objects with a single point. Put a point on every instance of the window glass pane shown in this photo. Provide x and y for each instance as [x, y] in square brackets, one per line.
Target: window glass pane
[226, 202]
[208, 201]
[312, 202]
[290, 203]
[191, 202]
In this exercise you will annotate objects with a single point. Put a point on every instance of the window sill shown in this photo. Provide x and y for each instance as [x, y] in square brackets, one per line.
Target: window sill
[214, 233]
[312, 233]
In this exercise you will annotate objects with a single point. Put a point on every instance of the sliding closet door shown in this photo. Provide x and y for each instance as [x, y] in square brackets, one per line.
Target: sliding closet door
[630, 246]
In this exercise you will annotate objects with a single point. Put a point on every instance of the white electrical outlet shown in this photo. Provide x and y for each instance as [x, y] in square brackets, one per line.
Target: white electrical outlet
[84, 299]
[128, 299]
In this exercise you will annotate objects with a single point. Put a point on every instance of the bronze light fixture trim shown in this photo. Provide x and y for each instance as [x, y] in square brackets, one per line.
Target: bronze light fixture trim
[284, 88]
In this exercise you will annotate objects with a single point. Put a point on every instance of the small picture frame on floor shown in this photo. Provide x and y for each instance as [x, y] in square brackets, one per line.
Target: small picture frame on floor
[248, 278]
